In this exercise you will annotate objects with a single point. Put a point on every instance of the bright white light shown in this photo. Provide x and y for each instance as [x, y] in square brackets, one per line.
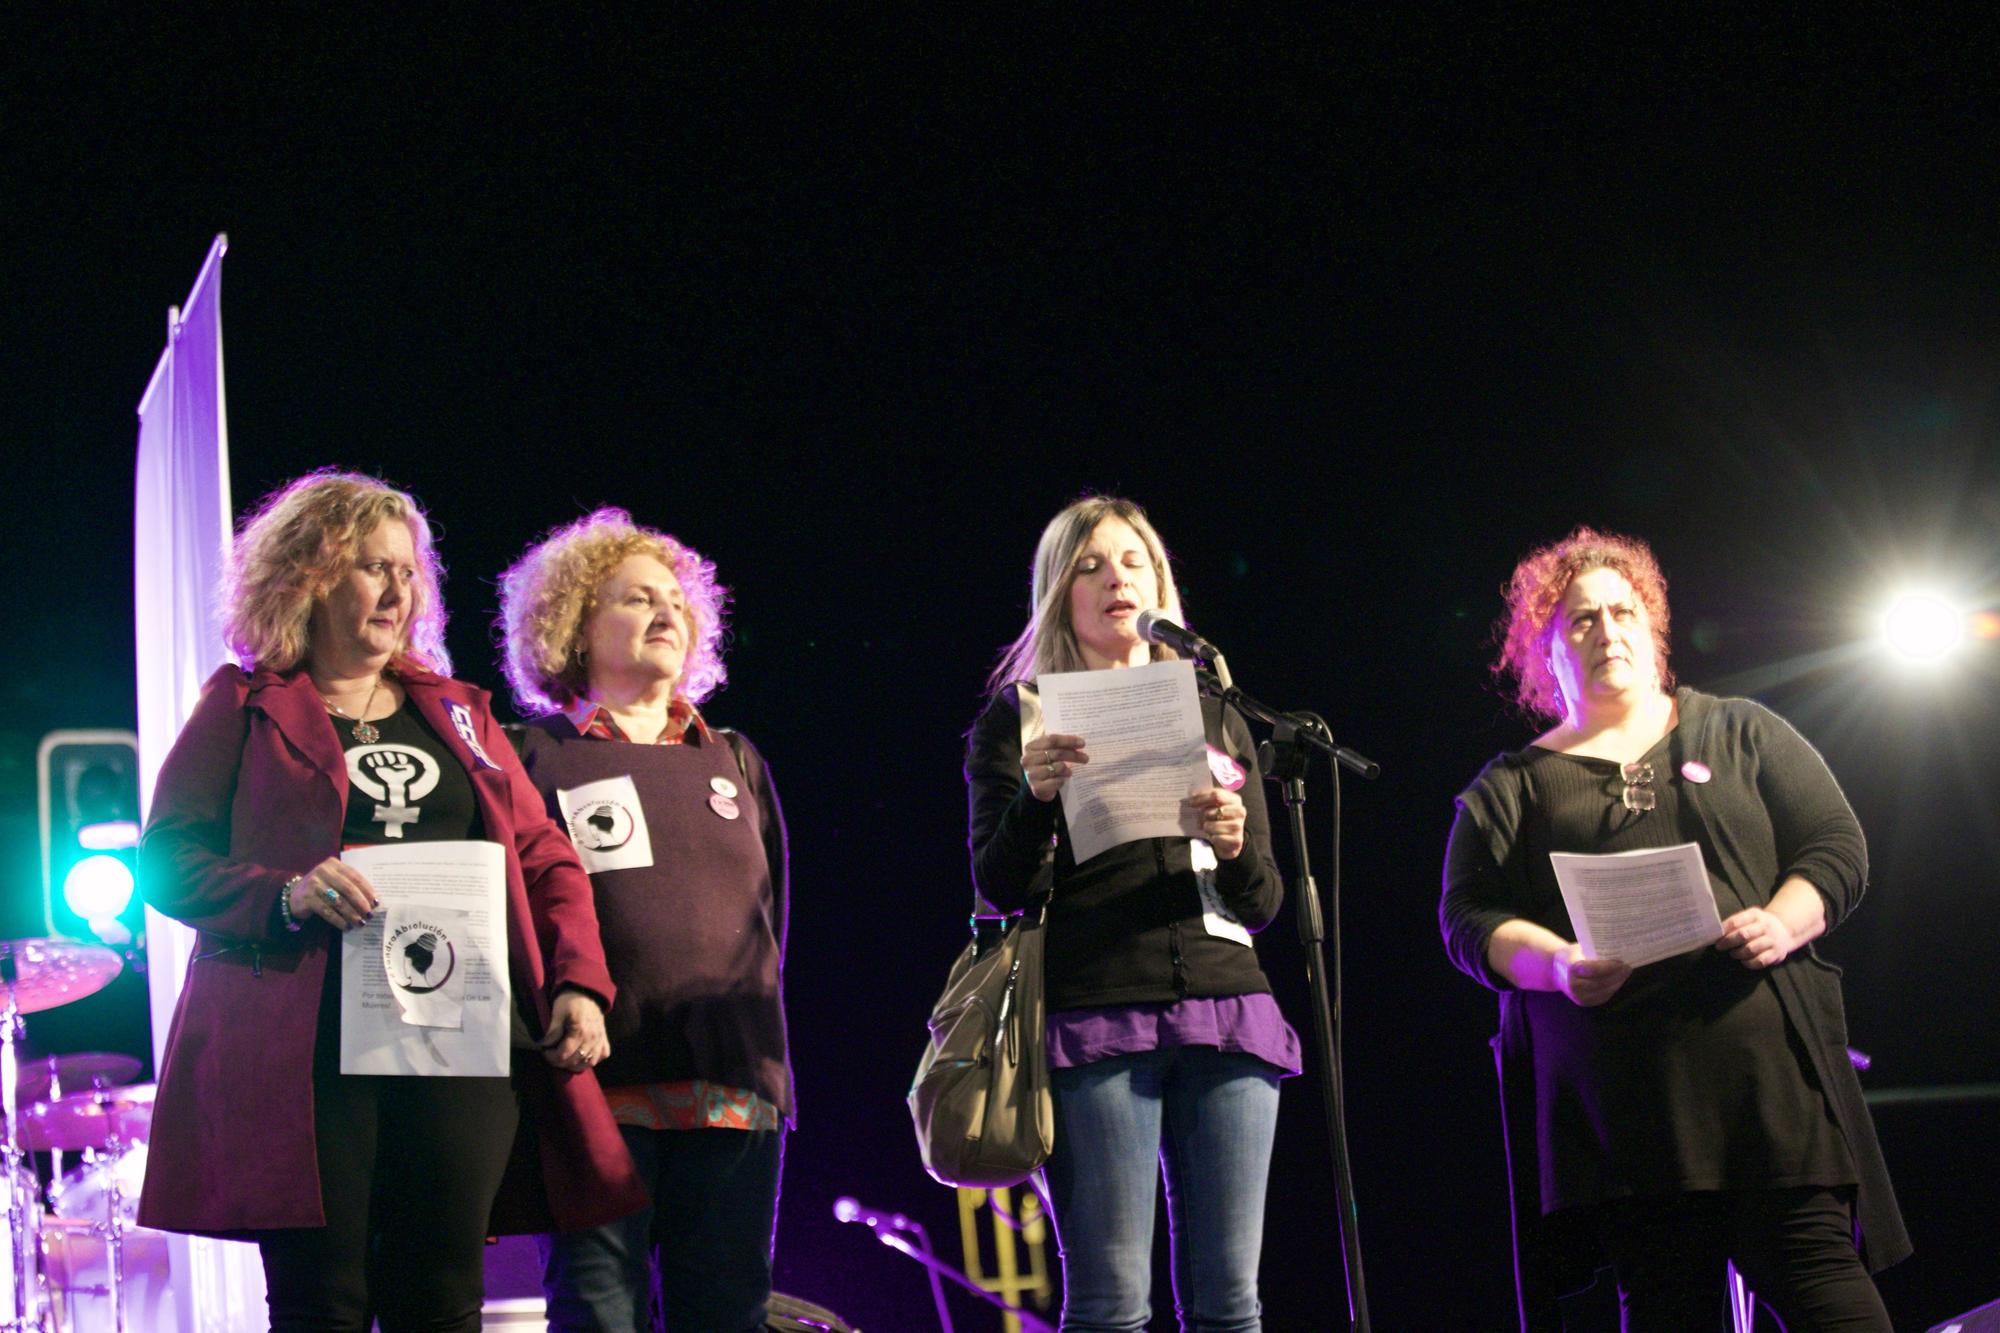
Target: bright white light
[1922, 627]
[98, 886]
[109, 836]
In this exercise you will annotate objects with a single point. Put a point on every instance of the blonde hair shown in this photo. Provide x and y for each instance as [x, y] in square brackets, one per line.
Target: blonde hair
[546, 598]
[1048, 642]
[299, 543]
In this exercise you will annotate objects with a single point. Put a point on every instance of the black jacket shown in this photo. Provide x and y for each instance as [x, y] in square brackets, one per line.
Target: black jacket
[1125, 927]
[1771, 810]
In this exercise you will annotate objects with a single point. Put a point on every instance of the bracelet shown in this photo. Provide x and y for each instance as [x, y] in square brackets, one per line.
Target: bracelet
[292, 923]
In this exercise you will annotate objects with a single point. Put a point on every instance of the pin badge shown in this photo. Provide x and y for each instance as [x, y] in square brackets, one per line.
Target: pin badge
[1225, 770]
[1696, 771]
[723, 806]
[722, 786]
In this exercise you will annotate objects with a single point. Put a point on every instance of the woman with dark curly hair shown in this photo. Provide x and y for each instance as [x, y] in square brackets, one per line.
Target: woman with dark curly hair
[1701, 1109]
[613, 635]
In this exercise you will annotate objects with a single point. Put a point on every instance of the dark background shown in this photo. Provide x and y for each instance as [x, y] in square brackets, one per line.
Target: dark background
[1361, 307]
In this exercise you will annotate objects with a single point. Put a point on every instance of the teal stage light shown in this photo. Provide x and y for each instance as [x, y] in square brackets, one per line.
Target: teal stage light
[98, 887]
[89, 805]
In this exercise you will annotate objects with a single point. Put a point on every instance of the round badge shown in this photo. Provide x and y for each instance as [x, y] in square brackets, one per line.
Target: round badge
[723, 806]
[1695, 771]
[722, 786]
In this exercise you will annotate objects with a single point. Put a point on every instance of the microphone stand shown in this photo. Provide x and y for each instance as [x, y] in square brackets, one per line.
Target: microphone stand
[1285, 758]
[938, 1268]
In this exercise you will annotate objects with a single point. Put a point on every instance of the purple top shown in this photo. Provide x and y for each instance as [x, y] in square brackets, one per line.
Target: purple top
[1247, 1023]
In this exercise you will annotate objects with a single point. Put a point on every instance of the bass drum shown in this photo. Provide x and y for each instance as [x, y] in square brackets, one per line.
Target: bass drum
[79, 1279]
[78, 1263]
[14, 1248]
[85, 1192]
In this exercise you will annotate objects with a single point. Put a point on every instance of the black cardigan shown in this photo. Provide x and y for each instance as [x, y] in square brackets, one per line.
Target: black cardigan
[1772, 810]
[1125, 927]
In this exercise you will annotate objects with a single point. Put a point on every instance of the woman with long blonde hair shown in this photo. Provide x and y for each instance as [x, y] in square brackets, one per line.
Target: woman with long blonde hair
[1165, 1044]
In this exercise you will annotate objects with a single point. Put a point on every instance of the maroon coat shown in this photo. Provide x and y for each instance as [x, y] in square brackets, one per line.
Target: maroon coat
[254, 792]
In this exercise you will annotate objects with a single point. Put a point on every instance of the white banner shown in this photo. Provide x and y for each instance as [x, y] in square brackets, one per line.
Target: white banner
[181, 534]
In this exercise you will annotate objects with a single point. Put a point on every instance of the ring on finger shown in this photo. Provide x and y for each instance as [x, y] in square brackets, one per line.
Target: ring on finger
[332, 896]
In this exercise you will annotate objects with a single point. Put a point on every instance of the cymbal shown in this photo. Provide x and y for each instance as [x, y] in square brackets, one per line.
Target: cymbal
[45, 973]
[77, 1072]
[97, 1119]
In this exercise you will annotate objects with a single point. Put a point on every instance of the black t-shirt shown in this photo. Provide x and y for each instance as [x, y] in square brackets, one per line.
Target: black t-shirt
[405, 786]
[1689, 1078]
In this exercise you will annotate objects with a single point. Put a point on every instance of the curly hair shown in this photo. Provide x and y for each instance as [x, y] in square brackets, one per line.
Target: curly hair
[299, 543]
[1048, 642]
[546, 598]
[1537, 588]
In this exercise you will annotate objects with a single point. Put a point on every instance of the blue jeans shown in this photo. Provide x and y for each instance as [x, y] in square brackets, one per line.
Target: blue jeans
[1207, 1117]
[708, 1232]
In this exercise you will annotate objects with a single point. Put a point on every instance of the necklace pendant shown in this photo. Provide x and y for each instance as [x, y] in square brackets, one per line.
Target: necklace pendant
[366, 733]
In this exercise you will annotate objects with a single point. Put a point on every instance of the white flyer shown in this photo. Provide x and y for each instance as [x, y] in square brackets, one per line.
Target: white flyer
[606, 824]
[1141, 727]
[424, 987]
[1638, 907]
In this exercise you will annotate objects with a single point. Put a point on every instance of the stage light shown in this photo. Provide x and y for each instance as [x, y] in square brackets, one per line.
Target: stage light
[88, 802]
[109, 836]
[1922, 627]
[98, 887]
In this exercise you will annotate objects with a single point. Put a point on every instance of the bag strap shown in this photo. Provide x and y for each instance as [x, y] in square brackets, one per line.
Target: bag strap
[736, 748]
[1043, 886]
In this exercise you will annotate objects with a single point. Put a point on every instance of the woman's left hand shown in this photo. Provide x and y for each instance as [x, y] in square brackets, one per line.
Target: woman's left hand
[1219, 818]
[575, 1040]
[1757, 938]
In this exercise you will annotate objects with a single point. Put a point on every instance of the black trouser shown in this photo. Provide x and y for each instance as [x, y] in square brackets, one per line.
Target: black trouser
[1794, 1247]
[408, 1168]
[707, 1234]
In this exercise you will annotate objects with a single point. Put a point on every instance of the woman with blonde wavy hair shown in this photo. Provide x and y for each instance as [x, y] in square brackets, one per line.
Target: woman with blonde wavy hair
[368, 1196]
[1165, 1044]
[612, 636]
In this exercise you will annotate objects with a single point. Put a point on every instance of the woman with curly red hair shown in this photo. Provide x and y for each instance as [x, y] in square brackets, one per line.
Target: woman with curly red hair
[613, 636]
[1698, 1110]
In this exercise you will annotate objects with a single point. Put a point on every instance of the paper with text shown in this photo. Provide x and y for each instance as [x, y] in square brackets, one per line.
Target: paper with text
[423, 985]
[1638, 907]
[1142, 729]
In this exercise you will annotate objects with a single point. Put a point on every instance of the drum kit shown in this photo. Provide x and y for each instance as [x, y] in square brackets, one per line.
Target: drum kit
[67, 1268]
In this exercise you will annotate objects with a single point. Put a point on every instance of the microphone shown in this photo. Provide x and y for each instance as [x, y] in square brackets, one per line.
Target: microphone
[1155, 628]
[848, 1209]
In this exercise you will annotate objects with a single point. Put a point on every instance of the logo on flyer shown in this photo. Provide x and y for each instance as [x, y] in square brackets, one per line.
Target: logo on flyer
[419, 957]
